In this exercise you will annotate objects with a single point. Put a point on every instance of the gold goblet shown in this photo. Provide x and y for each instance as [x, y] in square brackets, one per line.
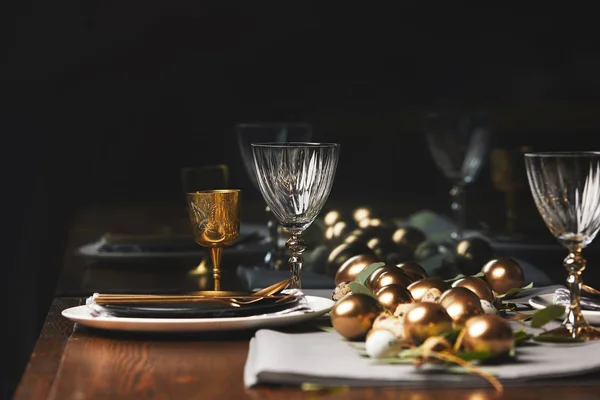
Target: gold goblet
[215, 217]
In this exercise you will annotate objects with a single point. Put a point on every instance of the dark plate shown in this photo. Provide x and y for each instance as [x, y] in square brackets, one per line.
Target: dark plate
[204, 309]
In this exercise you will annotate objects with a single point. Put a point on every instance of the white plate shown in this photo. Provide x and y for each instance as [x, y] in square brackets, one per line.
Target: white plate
[543, 300]
[92, 250]
[81, 315]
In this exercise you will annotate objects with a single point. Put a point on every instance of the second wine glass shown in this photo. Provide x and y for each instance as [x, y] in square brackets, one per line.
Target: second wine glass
[295, 180]
[459, 145]
[249, 133]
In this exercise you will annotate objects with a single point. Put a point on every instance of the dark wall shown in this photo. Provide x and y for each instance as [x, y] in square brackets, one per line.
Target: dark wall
[128, 93]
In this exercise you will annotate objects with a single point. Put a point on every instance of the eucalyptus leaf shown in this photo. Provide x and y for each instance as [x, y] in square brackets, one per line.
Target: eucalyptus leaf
[514, 291]
[359, 288]
[547, 314]
[474, 355]
[521, 336]
[433, 263]
[365, 273]
[460, 276]
[452, 335]
[550, 338]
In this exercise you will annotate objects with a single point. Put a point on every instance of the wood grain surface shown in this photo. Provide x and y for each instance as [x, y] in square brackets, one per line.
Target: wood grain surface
[73, 362]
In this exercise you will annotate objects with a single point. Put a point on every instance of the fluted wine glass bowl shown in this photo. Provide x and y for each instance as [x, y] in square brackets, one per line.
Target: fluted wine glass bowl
[459, 145]
[295, 180]
[280, 132]
[566, 190]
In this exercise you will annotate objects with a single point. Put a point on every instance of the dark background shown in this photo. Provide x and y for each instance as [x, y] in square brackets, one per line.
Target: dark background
[105, 102]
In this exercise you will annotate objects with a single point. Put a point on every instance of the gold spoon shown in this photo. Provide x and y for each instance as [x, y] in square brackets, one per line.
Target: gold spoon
[228, 297]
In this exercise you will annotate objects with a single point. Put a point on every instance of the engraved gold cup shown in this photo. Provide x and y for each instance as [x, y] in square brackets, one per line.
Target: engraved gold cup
[215, 217]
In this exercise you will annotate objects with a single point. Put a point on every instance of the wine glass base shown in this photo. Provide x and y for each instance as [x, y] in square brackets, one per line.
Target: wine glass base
[584, 332]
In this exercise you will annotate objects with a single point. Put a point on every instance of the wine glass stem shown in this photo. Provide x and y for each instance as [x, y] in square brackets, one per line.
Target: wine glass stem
[458, 193]
[272, 257]
[215, 255]
[296, 247]
[575, 264]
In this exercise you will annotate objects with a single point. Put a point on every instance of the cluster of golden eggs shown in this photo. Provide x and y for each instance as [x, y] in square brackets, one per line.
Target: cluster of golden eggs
[376, 240]
[404, 306]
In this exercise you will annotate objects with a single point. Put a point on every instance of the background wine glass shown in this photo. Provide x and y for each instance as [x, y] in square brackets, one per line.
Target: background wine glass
[459, 145]
[215, 218]
[268, 133]
[295, 180]
[566, 190]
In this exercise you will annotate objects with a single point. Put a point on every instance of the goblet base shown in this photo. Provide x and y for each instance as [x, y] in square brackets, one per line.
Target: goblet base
[584, 332]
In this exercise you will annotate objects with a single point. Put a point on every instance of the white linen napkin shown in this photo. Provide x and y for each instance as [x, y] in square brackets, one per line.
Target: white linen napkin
[324, 358]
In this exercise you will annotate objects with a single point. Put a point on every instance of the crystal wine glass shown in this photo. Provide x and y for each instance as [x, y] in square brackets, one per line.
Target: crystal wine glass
[459, 145]
[215, 217]
[295, 180]
[566, 191]
[261, 133]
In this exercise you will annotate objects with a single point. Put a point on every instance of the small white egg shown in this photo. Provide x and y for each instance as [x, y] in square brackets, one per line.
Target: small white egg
[488, 308]
[382, 343]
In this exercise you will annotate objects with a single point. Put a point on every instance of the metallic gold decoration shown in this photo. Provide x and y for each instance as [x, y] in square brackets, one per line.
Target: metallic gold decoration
[337, 231]
[384, 247]
[503, 274]
[350, 269]
[409, 236]
[472, 254]
[425, 320]
[392, 295]
[488, 333]
[389, 274]
[215, 218]
[353, 316]
[419, 288]
[414, 270]
[343, 252]
[332, 217]
[461, 304]
[477, 286]
[362, 213]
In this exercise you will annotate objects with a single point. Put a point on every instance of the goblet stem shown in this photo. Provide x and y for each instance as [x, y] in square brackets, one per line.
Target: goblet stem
[272, 257]
[458, 193]
[296, 247]
[215, 255]
[575, 325]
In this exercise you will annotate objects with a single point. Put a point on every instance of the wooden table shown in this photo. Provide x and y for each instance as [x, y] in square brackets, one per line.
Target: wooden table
[72, 362]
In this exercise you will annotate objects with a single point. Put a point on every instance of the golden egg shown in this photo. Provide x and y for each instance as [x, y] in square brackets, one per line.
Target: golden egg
[489, 333]
[409, 236]
[477, 286]
[382, 247]
[425, 320]
[389, 274]
[392, 295]
[503, 274]
[472, 254]
[350, 269]
[337, 231]
[414, 270]
[353, 316]
[362, 213]
[419, 288]
[461, 304]
[343, 252]
[332, 217]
